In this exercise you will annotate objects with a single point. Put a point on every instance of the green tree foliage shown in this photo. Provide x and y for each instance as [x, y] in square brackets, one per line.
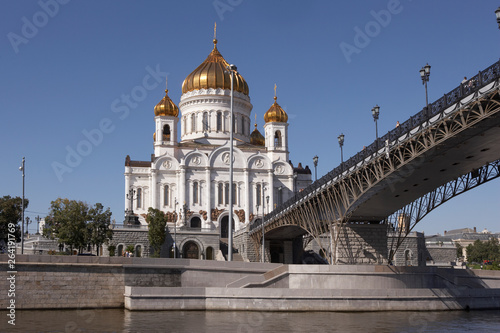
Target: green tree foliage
[77, 225]
[11, 212]
[459, 250]
[98, 225]
[157, 221]
[488, 250]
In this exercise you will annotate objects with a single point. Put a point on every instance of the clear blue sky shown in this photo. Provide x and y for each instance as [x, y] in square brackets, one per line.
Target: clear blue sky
[68, 74]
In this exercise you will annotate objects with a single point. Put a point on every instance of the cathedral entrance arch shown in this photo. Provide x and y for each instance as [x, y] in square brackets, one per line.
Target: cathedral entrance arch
[191, 250]
[224, 227]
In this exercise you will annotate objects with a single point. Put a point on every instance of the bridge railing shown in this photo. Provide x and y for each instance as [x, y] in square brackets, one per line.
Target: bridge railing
[466, 88]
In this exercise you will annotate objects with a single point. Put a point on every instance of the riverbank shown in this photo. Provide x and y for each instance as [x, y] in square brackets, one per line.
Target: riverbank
[72, 282]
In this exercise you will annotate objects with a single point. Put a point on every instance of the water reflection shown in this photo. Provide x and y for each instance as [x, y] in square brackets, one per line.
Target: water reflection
[119, 320]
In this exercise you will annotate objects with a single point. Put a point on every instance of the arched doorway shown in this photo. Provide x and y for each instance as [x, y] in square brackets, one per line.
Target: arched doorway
[120, 250]
[277, 250]
[195, 222]
[224, 226]
[191, 251]
[138, 250]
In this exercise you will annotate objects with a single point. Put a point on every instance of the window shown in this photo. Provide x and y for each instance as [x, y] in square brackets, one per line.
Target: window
[195, 222]
[166, 133]
[166, 198]
[235, 118]
[221, 194]
[242, 125]
[219, 121]
[226, 190]
[258, 193]
[235, 190]
[195, 192]
[139, 198]
[193, 123]
[205, 121]
[277, 139]
[184, 120]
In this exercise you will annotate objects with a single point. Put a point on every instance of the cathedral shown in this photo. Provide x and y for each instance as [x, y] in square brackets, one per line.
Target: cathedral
[188, 178]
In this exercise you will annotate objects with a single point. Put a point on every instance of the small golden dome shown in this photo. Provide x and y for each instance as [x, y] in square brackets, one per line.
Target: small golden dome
[256, 138]
[212, 73]
[166, 107]
[275, 114]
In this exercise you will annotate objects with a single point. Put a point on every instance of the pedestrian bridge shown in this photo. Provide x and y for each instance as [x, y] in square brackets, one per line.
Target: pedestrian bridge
[442, 151]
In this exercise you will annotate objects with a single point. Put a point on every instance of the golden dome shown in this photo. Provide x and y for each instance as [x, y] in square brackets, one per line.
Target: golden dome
[166, 107]
[212, 74]
[275, 114]
[256, 138]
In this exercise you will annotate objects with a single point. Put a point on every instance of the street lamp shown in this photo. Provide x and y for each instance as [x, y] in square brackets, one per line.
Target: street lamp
[497, 13]
[425, 72]
[21, 168]
[263, 230]
[315, 160]
[175, 228]
[375, 113]
[341, 144]
[295, 183]
[231, 69]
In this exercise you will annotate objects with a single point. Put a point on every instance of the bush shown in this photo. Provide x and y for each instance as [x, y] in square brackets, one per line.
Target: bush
[111, 250]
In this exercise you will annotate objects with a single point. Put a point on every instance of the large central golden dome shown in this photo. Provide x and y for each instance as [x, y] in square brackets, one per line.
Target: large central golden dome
[212, 74]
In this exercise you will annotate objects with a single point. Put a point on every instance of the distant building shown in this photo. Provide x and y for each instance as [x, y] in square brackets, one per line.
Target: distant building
[467, 236]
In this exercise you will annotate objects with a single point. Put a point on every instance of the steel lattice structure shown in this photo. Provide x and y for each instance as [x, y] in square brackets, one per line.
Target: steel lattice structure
[330, 202]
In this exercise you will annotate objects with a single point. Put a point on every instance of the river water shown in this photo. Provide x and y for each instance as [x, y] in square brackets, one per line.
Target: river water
[119, 320]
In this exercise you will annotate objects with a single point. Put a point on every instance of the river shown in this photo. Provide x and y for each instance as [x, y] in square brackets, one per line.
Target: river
[119, 320]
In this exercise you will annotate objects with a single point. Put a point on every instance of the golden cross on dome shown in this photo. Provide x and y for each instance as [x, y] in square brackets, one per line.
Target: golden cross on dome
[275, 92]
[166, 84]
[255, 120]
[215, 30]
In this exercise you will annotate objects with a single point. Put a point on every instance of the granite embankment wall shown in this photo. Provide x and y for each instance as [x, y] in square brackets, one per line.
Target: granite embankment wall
[48, 282]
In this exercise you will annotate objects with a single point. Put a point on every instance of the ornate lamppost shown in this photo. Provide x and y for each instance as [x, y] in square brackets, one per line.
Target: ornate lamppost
[21, 168]
[175, 228]
[341, 144]
[315, 161]
[425, 72]
[231, 69]
[375, 113]
[130, 218]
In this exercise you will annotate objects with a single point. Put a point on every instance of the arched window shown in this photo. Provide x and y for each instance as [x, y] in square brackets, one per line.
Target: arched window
[166, 193]
[235, 118]
[219, 121]
[196, 222]
[235, 192]
[242, 125]
[258, 193]
[205, 121]
[277, 139]
[120, 250]
[139, 198]
[195, 192]
[226, 189]
[193, 123]
[166, 133]
[221, 193]
[210, 253]
[184, 120]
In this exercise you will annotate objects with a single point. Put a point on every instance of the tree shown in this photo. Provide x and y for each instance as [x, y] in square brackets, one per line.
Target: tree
[98, 226]
[488, 250]
[459, 247]
[157, 221]
[11, 212]
[77, 225]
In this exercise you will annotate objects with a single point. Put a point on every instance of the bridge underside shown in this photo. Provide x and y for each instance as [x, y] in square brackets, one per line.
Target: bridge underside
[458, 155]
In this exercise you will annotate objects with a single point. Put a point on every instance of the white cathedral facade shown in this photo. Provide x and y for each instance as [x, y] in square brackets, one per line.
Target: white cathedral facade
[188, 179]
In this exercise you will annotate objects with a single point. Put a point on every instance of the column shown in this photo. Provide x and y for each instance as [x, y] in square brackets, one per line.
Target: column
[270, 190]
[154, 187]
[182, 185]
[247, 195]
[208, 195]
